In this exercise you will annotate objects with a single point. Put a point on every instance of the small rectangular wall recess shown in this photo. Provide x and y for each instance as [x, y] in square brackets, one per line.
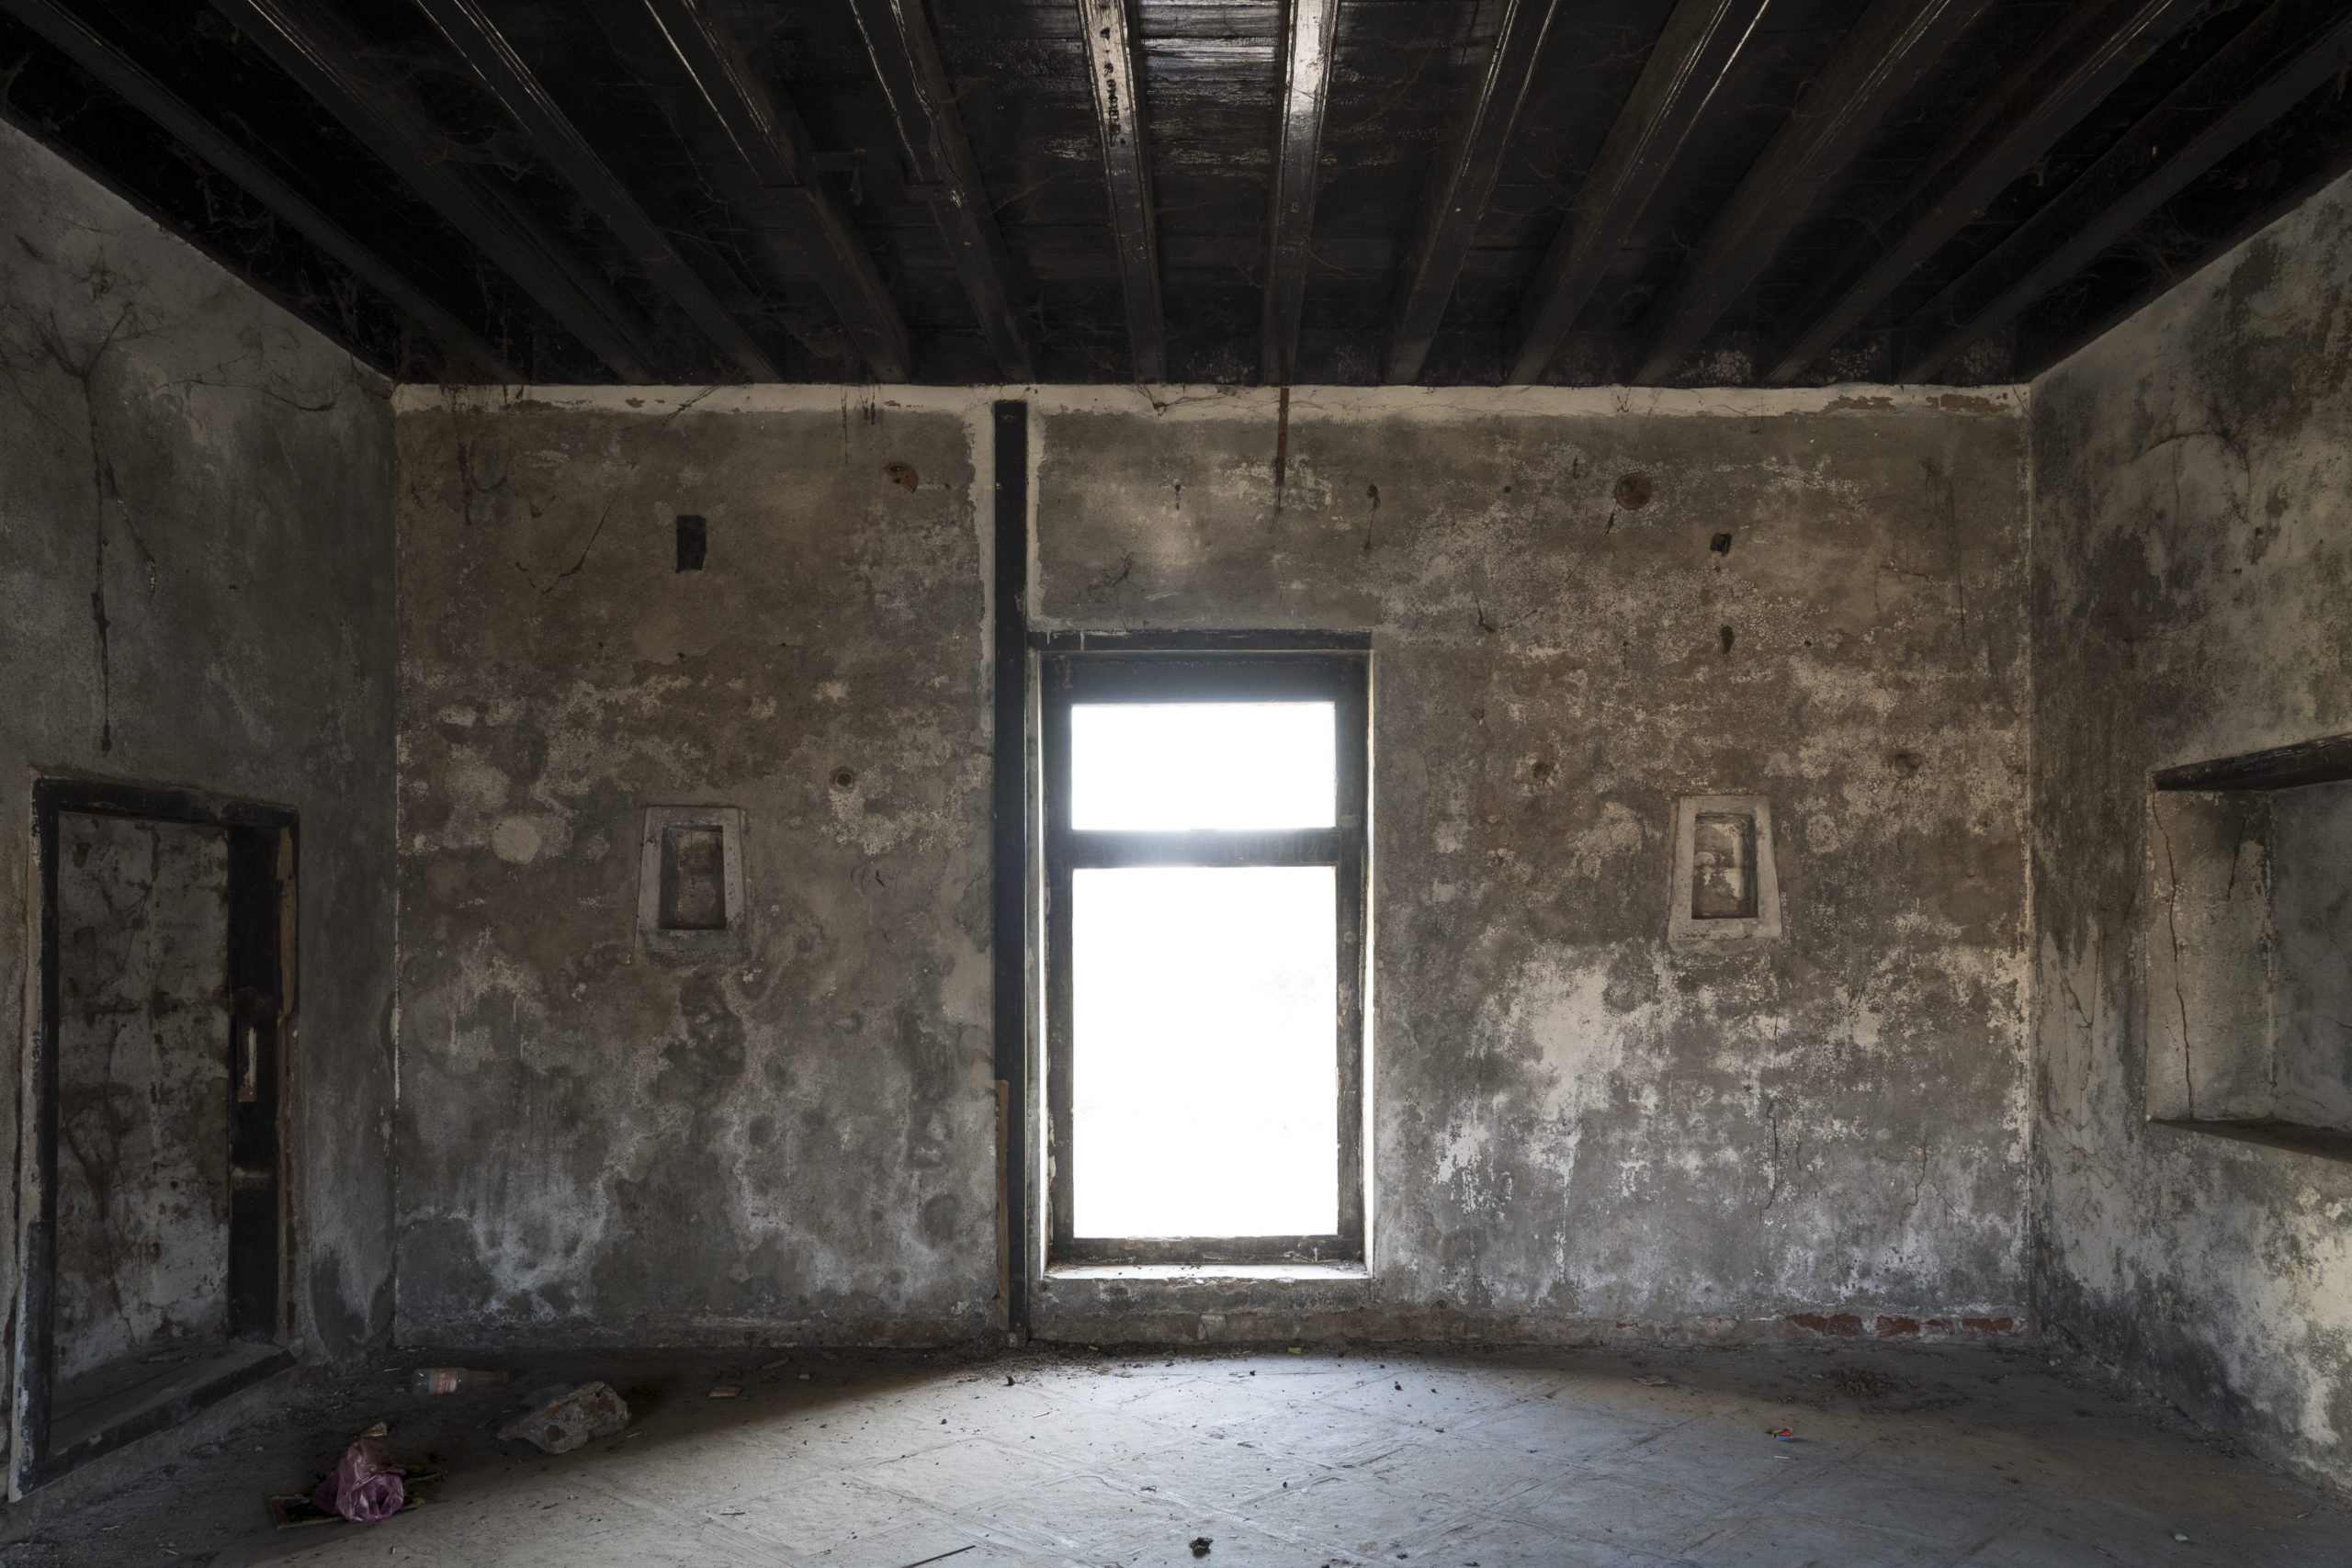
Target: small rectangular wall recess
[690, 894]
[694, 879]
[1725, 885]
[1723, 866]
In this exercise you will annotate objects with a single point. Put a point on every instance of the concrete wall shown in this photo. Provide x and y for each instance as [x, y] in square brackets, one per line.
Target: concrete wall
[1577, 1128]
[2193, 559]
[598, 1144]
[195, 575]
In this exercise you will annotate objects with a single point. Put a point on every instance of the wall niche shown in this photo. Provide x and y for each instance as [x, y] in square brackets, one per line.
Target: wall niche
[2249, 999]
[1726, 884]
[690, 884]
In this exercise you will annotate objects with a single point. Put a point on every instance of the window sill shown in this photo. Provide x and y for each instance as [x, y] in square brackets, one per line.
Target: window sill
[1188, 1272]
[2326, 1143]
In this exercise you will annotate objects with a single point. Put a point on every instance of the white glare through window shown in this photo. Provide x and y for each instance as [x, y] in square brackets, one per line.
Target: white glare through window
[1162, 767]
[1204, 1070]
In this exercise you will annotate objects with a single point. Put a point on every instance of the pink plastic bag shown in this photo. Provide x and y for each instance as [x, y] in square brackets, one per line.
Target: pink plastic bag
[365, 1485]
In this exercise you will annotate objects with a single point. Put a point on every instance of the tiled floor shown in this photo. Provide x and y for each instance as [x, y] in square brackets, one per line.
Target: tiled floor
[1618, 1458]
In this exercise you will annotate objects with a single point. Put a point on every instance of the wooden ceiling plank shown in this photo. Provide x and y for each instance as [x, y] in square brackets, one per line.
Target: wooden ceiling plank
[771, 142]
[510, 79]
[1457, 202]
[1701, 43]
[1115, 71]
[2278, 60]
[942, 171]
[1311, 32]
[2077, 64]
[132, 82]
[318, 50]
[1882, 60]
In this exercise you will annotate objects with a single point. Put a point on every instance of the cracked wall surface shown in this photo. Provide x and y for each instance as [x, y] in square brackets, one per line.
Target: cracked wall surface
[795, 1143]
[2192, 560]
[1579, 1129]
[1576, 1128]
[196, 572]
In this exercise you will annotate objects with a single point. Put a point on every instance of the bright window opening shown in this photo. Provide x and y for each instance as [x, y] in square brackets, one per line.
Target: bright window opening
[1204, 859]
[1205, 1067]
[1170, 767]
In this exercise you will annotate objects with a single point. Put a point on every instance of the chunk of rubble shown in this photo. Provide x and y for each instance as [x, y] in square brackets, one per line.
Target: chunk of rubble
[564, 1423]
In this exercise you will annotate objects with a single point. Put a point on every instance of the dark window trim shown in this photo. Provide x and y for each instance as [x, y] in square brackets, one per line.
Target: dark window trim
[2282, 767]
[1194, 675]
[1201, 642]
[263, 845]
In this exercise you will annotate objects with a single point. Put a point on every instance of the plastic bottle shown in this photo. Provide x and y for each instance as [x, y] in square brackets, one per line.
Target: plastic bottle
[451, 1379]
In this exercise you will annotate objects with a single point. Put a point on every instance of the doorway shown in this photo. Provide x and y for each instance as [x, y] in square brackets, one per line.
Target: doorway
[150, 1179]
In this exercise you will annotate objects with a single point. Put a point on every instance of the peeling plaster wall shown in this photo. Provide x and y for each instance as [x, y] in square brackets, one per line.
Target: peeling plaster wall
[2192, 562]
[599, 1146]
[1577, 1130]
[196, 576]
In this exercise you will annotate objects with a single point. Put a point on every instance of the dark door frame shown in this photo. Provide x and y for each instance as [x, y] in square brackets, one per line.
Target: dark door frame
[263, 844]
[1218, 668]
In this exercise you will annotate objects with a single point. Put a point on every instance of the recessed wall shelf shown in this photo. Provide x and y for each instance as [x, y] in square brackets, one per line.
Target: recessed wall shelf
[2248, 859]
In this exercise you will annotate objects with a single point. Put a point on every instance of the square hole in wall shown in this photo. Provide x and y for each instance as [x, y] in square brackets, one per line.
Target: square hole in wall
[1726, 884]
[690, 895]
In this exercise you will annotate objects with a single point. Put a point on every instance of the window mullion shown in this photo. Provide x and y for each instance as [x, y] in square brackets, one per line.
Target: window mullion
[1316, 846]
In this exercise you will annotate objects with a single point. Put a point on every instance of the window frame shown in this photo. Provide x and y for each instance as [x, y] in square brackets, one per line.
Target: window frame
[1341, 678]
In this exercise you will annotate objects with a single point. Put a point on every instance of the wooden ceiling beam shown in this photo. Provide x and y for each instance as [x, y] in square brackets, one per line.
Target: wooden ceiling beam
[132, 81]
[318, 51]
[2085, 56]
[774, 147]
[1115, 68]
[1885, 56]
[1311, 31]
[1701, 43]
[2278, 60]
[946, 174]
[1465, 181]
[517, 89]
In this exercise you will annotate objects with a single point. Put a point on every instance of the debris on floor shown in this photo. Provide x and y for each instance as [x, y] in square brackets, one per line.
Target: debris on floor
[1862, 1383]
[452, 1380]
[1783, 1434]
[366, 1484]
[294, 1511]
[2146, 1478]
[569, 1420]
[727, 1391]
[378, 1430]
[1201, 1545]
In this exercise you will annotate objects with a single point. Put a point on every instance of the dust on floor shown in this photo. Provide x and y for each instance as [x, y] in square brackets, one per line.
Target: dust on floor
[1320, 1456]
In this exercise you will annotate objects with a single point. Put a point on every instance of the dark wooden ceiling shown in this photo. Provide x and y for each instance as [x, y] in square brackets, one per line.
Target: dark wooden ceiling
[1450, 192]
